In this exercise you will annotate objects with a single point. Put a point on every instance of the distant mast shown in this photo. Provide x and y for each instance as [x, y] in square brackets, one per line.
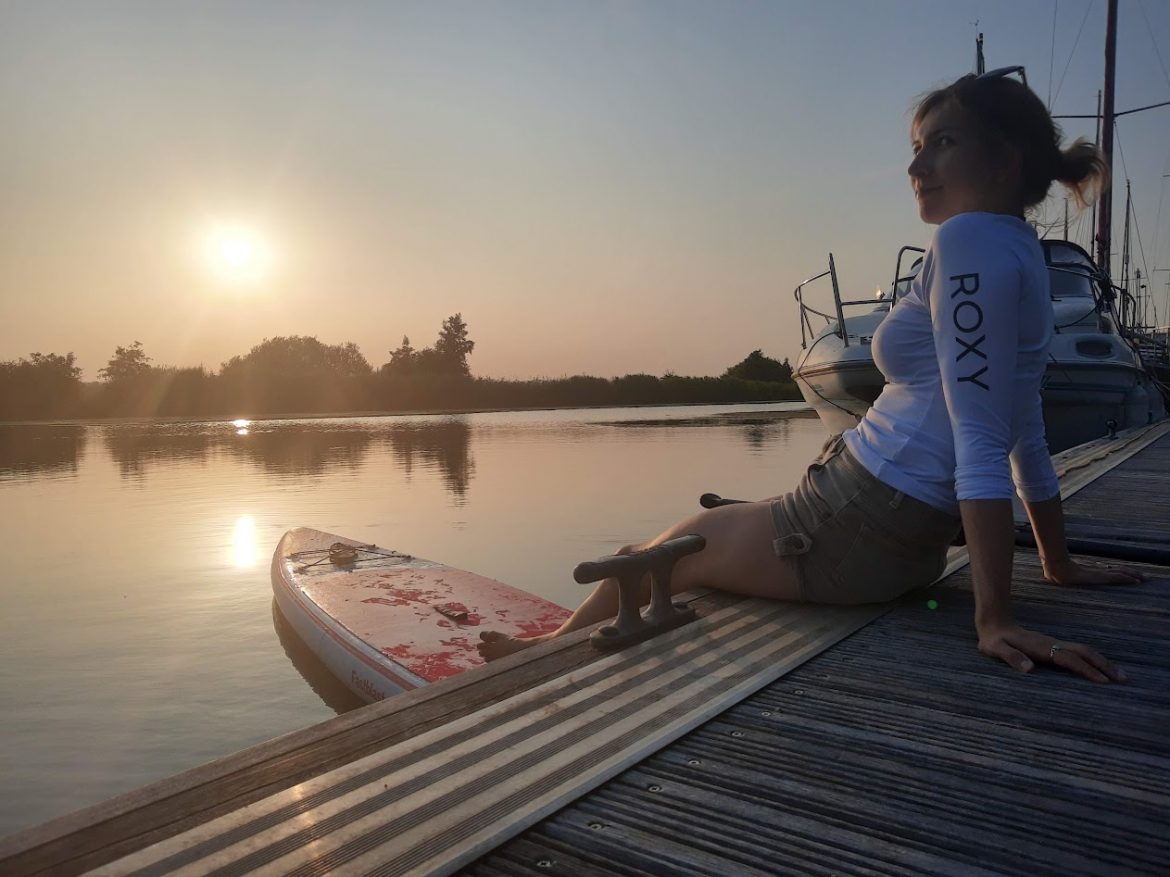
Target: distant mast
[980, 66]
[1105, 208]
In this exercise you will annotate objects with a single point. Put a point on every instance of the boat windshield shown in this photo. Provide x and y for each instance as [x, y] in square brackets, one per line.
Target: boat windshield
[1070, 270]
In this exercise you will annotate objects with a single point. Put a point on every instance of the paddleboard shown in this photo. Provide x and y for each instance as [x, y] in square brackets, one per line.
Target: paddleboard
[384, 622]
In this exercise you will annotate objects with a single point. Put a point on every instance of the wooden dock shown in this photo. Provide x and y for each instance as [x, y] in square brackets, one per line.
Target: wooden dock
[764, 738]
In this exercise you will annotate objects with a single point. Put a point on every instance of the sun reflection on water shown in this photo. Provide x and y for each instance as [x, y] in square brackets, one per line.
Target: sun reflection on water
[245, 551]
[241, 426]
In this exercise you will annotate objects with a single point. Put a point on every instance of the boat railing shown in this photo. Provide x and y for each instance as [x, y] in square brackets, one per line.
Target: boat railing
[902, 281]
[806, 327]
[1107, 298]
[1130, 318]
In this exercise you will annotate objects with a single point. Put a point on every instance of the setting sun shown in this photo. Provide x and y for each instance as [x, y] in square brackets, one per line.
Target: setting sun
[238, 254]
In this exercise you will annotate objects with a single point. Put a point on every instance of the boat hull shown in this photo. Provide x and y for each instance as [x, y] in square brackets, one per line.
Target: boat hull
[840, 395]
[1082, 400]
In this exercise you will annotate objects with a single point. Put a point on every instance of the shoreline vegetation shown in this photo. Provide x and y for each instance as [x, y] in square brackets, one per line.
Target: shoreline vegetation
[299, 376]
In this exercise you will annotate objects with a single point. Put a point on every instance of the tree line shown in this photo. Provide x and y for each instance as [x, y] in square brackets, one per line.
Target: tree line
[302, 375]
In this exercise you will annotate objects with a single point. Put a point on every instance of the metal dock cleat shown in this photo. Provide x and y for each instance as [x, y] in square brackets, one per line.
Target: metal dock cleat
[632, 626]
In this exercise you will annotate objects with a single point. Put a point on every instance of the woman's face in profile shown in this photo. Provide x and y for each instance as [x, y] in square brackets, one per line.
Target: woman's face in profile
[952, 171]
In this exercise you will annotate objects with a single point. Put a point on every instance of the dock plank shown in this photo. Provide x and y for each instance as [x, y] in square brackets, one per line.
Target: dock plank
[432, 803]
[902, 750]
[92, 836]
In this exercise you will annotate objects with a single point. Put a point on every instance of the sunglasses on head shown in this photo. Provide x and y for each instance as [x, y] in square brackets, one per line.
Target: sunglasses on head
[1000, 72]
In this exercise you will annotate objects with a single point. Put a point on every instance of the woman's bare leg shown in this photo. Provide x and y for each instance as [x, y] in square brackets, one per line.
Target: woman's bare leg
[738, 559]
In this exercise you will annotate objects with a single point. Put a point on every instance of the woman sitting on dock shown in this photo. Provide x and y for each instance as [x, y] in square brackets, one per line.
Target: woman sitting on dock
[959, 419]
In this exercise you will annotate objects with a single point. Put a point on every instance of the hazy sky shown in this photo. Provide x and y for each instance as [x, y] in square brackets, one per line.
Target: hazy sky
[599, 187]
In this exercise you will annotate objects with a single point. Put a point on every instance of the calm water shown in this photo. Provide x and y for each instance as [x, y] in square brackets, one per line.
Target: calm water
[138, 637]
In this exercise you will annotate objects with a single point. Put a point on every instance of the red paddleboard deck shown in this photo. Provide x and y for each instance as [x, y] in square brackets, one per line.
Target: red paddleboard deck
[385, 622]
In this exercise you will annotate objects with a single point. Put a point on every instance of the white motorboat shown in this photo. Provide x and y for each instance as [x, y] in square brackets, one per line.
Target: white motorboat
[1096, 382]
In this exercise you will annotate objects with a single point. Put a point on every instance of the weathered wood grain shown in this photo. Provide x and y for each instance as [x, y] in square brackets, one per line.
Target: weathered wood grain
[438, 799]
[82, 840]
[89, 837]
[903, 750]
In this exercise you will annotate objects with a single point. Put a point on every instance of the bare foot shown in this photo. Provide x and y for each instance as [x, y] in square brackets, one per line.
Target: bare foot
[494, 644]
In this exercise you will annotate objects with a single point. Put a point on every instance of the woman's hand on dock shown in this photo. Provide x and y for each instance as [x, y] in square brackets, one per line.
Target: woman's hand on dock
[1074, 573]
[1022, 649]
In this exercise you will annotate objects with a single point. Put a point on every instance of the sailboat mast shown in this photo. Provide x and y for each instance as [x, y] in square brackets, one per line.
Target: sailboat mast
[1125, 242]
[1097, 143]
[1105, 208]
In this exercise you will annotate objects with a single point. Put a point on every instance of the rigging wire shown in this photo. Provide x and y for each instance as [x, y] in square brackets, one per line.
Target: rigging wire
[1158, 242]
[1052, 52]
[1085, 229]
[1162, 193]
[1158, 217]
[1076, 228]
[1141, 246]
[1132, 209]
[1072, 51]
[1150, 31]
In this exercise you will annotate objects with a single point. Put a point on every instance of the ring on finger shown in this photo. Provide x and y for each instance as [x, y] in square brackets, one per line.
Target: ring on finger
[1052, 650]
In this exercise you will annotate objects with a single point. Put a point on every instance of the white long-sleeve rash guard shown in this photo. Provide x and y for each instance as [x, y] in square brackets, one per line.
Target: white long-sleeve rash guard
[963, 354]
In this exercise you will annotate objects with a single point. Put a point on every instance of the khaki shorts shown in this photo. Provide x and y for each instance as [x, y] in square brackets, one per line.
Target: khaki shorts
[852, 539]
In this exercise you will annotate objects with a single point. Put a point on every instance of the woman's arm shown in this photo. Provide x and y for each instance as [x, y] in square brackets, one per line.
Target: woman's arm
[1047, 518]
[990, 534]
[990, 546]
[990, 325]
